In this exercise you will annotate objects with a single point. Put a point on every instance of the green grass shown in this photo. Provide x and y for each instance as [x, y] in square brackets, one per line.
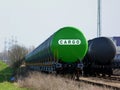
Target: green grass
[5, 74]
[10, 86]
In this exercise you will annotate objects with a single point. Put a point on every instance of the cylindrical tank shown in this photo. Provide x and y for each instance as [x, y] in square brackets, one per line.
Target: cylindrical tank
[101, 50]
[67, 44]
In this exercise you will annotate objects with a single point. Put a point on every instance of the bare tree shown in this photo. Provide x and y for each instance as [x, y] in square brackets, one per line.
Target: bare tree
[1, 56]
[30, 49]
[16, 55]
[4, 56]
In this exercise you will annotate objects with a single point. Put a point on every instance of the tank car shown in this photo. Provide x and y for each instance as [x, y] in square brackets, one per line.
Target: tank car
[62, 52]
[116, 62]
[99, 57]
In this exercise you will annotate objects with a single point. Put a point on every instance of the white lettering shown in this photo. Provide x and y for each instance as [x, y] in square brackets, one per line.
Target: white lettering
[69, 42]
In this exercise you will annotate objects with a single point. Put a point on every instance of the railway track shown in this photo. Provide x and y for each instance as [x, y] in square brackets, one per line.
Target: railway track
[113, 82]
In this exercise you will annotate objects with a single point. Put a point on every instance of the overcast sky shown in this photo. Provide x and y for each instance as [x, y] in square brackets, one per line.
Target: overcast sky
[33, 21]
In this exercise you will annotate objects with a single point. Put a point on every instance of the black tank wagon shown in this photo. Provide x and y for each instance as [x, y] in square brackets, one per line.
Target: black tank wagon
[99, 57]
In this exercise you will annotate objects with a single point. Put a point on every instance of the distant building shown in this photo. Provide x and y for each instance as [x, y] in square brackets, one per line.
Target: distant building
[116, 41]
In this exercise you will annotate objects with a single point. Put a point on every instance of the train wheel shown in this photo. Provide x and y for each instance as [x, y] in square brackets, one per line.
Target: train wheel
[77, 74]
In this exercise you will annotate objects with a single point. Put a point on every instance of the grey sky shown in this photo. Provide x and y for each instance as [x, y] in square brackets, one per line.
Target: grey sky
[33, 21]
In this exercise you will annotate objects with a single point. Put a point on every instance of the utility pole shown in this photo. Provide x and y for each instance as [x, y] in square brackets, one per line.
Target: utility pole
[8, 43]
[99, 19]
